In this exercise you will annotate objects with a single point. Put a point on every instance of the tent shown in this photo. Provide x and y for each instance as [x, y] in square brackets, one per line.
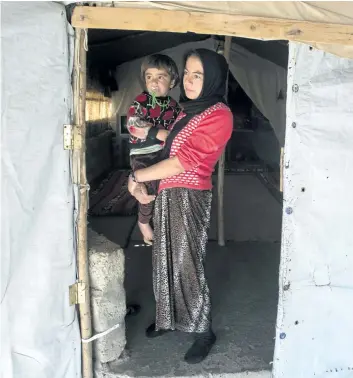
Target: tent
[44, 189]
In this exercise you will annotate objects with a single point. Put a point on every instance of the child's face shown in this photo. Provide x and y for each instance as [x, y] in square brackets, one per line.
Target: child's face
[158, 81]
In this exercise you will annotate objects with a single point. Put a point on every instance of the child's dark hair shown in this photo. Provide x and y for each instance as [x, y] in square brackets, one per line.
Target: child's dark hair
[161, 62]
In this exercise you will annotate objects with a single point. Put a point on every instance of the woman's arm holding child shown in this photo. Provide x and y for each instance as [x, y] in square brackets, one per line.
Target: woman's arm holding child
[149, 132]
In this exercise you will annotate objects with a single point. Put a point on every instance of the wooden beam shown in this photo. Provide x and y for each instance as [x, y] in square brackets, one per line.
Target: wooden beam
[211, 23]
[221, 166]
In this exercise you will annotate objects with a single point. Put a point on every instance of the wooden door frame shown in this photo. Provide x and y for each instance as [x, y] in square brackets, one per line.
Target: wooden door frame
[84, 17]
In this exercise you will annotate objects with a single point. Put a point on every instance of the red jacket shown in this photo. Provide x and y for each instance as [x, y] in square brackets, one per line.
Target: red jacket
[199, 146]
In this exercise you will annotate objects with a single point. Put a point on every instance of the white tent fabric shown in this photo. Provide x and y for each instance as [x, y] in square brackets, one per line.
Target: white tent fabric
[262, 80]
[314, 324]
[330, 12]
[334, 12]
[39, 330]
[265, 83]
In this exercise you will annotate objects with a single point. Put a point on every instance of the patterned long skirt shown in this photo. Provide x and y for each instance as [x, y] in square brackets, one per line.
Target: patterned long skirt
[181, 222]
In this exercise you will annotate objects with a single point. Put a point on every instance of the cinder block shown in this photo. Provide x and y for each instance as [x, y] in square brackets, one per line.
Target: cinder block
[108, 303]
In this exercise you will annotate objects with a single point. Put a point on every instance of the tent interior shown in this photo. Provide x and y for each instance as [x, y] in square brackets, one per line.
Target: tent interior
[243, 275]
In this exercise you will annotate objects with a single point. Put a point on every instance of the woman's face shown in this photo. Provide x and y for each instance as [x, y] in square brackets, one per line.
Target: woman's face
[193, 77]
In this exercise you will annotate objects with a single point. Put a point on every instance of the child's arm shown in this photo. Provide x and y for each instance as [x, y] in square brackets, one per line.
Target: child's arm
[136, 125]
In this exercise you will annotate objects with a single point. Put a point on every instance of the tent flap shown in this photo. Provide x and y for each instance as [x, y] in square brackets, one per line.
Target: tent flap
[314, 325]
[40, 335]
[264, 82]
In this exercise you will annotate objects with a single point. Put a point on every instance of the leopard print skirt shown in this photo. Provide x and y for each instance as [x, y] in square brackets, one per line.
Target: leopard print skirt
[181, 222]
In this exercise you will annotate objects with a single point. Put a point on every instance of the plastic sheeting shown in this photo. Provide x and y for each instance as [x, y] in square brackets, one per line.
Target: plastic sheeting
[263, 81]
[314, 325]
[40, 336]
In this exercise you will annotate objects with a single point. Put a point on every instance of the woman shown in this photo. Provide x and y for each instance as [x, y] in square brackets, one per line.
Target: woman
[183, 205]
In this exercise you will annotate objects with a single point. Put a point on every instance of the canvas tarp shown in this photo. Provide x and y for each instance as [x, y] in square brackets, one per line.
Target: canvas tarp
[330, 12]
[314, 324]
[263, 81]
[40, 336]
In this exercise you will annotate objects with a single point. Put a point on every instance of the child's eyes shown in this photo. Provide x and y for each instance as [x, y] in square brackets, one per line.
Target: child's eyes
[160, 78]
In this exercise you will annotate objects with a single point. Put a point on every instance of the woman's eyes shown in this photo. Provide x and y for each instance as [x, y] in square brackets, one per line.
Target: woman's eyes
[193, 76]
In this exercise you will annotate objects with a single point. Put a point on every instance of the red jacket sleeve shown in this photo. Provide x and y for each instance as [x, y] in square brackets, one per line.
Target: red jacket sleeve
[207, 141]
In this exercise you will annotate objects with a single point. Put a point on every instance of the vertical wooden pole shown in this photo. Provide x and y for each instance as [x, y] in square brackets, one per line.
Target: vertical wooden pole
[221, 165]
[82, 255]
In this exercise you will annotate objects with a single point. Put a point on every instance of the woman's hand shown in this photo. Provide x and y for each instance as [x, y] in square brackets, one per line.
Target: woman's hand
[139, 191]
[162, 135]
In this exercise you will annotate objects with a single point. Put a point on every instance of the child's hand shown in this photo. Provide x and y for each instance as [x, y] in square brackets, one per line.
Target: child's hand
[138, 132]
[138, 128]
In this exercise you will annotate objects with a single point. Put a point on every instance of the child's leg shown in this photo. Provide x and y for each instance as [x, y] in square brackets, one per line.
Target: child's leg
[145, 226]
[145, 211]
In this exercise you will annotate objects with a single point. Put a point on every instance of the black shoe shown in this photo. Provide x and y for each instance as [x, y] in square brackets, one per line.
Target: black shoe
[200, 348]
[152, 333]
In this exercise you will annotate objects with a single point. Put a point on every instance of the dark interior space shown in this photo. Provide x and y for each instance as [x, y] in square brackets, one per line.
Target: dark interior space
[244, 274]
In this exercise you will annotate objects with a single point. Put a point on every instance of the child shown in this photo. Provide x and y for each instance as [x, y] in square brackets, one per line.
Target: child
[149, 117]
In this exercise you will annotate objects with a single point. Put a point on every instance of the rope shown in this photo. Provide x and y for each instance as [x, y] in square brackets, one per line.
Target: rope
[100, 335]
[84, 188]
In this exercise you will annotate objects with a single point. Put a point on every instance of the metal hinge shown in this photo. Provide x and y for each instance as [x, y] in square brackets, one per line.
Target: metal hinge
[72, 137]
[77, 293]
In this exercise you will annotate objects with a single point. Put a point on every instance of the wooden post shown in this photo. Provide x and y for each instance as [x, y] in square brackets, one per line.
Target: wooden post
[221, 166]
[79, 94]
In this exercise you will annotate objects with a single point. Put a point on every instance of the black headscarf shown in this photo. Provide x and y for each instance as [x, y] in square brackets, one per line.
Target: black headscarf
[215, 69]
[215, 74]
